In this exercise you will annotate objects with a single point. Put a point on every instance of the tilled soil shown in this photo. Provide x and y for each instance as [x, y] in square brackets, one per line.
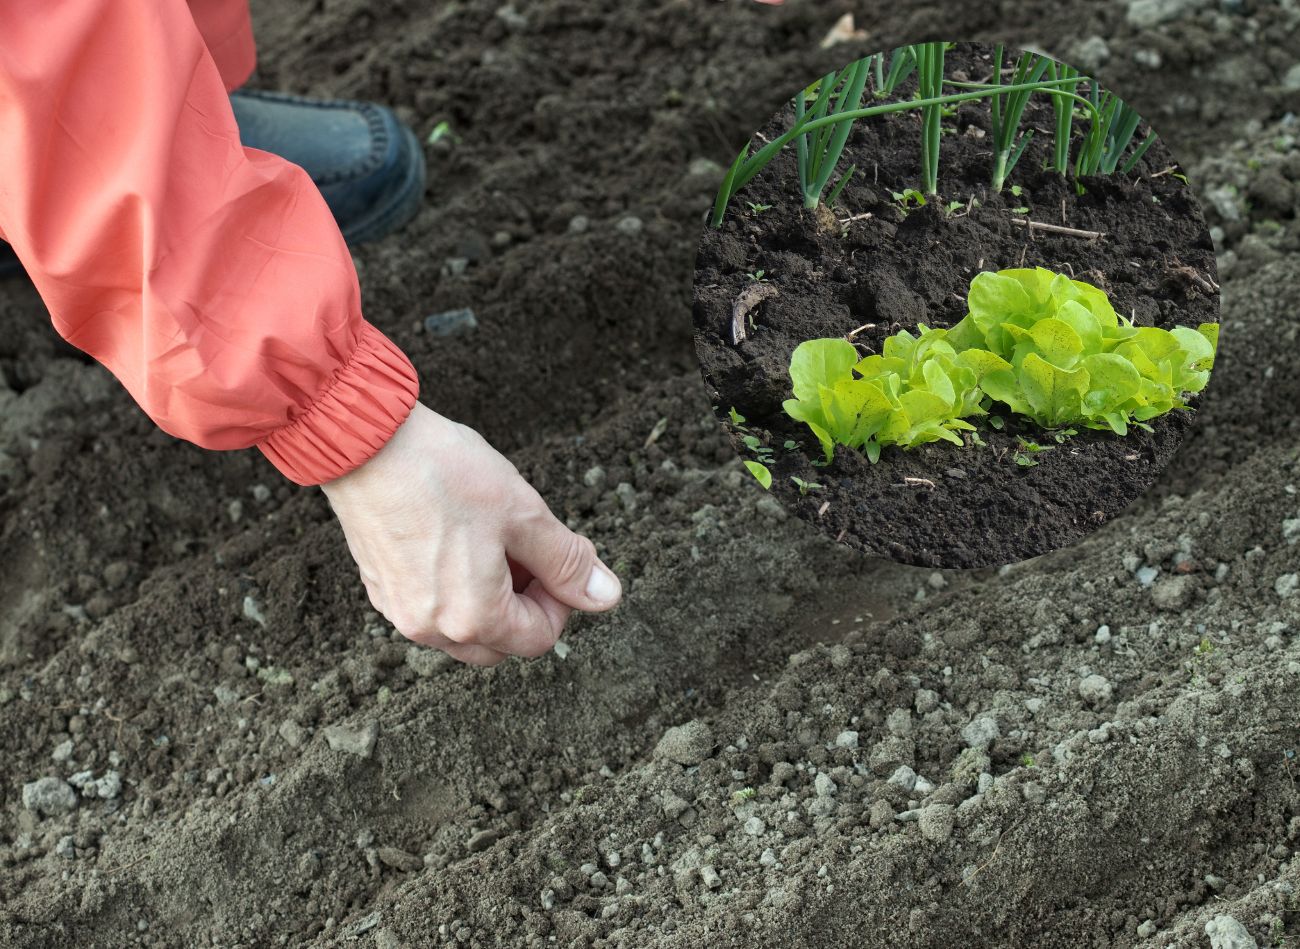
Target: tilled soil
[1105, 736]
[870, 268]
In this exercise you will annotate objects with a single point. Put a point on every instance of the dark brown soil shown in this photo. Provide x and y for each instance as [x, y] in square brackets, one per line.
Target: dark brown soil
[492, 796]
[874, 264]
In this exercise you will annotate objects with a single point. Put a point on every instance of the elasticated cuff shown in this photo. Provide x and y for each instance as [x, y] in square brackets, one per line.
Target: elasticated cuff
[370, 397]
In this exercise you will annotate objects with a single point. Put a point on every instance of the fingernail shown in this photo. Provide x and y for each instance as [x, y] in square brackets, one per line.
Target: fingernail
[602, 585]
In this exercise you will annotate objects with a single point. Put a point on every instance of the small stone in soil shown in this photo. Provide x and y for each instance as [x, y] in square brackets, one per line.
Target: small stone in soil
[1095, 689]
[49, 796]
[981, 732]
[399, 859]
[356, 740]
[451, 322]
[847, 739]
[1227, 933]
[482, 840]
[904, 778]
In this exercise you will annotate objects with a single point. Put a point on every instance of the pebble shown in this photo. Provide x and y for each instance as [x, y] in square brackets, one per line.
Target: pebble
[49, 796]
[687, 744]
[356, 740]
[904, 777]
[1146, 576]
[1148, 929]
[981, 732]
[482, 839]
[1148, 13]
[767, 858]
[108, 786]
[824, 786]
[292, 733]
[579, 224]
[594, 477]
[399, 859]
[253, 611]
[1149, 58]
[626, 495]
[847, 740]
[631, 225]
[1286, 584]
[705, 168]
[65, 848]
[1291, 81]
[936, 822]
[755, 827]
[709, 877]
[62, 751]
[1226, 933]
[451, 322]
[1090, 54]
[1102, 635]
[1095, 689]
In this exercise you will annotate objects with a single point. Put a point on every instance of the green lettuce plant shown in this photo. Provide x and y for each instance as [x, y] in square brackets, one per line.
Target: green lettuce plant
[1051, 349]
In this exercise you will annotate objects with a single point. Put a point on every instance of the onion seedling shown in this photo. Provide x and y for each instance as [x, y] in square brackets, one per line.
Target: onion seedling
[1064, 118]
[1109, 135]
[929, 78]
[820, 149]
[746, 165]
[1007, 111]
[901, 64]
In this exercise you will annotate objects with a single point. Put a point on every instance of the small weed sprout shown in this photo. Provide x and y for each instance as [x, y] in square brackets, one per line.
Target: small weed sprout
[743, 795]
[805, 486]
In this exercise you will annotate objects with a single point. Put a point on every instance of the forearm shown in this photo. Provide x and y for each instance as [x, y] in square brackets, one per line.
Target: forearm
[211, 280]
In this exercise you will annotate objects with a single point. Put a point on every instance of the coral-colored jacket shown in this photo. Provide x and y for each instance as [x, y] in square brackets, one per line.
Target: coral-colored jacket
[211, 279]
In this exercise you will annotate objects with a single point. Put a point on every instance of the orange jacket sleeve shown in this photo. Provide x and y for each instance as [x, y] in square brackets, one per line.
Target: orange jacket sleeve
[209, 278]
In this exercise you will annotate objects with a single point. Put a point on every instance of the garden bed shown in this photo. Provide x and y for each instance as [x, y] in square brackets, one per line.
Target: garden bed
[877, 265]
[492, 798]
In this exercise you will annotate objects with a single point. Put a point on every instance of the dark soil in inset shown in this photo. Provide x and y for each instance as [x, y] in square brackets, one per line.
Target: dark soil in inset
[876, 265]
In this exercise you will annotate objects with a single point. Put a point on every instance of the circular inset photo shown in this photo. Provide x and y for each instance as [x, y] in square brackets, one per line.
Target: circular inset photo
[956, 305]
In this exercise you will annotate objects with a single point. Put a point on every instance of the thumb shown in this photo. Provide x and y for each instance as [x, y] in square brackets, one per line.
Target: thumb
[566, 566]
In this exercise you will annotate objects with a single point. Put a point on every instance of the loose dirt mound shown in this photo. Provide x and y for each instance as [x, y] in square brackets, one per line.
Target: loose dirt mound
[1104, 737]
[875, 270]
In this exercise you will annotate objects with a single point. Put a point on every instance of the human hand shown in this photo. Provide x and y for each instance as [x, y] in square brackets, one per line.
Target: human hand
[458, 551]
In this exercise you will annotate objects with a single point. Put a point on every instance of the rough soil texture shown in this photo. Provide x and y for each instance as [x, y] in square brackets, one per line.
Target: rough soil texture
[871, 264]
[1105, 736]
